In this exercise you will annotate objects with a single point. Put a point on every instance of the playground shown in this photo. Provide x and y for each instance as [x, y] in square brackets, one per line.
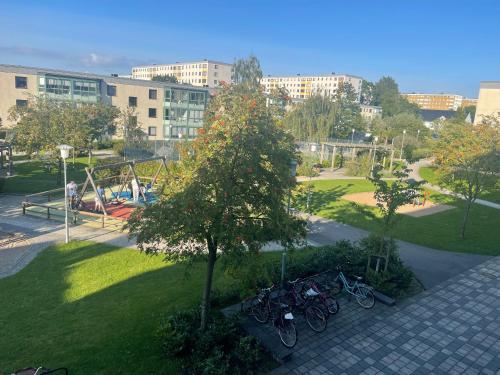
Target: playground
[109, 195]
[421, 208]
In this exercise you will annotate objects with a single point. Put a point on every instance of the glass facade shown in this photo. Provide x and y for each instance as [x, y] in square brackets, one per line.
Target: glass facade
[67, 88]
[183, 112]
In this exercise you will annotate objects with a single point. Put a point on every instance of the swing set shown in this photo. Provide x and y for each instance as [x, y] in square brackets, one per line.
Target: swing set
[126, 188]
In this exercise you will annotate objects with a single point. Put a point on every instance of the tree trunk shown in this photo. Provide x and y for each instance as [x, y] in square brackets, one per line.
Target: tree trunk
[466, 217]
[205, 303]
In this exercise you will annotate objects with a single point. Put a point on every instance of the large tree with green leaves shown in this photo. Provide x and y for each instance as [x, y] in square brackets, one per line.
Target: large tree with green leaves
[392, 127]
[386, 94]
[227, 194]
[321, 117]
[247, 73]
[45, 123]
[468, 160]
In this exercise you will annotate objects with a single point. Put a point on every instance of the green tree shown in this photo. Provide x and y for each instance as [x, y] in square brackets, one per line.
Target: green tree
[392, 127]
[247, 73]
[463, 112]
[45, 123]
[468, 160]
[347, 110]
[367, 92]
[227, 194]
[386, 94]
[390, 195]
[169, 78]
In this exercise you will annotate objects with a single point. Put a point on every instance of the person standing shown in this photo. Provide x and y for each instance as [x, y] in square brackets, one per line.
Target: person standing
[100, 199]
[71, 189]
[135, 191]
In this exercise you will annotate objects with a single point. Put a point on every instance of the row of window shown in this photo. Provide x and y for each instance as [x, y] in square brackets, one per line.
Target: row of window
[174, 131]
[172, 67]
[182, 114]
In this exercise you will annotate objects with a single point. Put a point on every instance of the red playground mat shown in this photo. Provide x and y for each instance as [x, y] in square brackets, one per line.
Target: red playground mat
[119, 211]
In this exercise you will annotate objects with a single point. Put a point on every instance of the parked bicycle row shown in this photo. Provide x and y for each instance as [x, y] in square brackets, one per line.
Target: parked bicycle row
[313, 297]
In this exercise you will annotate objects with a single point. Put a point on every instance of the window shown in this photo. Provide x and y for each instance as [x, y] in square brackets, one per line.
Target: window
[215, 74]
[216, 66]
[57, 86]
[152, 131]
[21, 103]
[111, 90]
[21, 82]
[132, 101]
[197, 98]
[84, 88]
[195, 116]
[152, 112]
[215, 81]
[153, 94]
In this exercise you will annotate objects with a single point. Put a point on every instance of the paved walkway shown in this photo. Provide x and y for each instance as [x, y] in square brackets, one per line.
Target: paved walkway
[453, 328]
[23, 237]
[431, 266]
[415, 167]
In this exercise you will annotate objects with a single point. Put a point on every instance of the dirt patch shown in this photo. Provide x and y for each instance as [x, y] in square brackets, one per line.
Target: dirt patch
[428, 208]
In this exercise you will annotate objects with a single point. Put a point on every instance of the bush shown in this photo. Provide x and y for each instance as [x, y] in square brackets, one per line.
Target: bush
[221, 349]
[104, 144]
[360, 166]
[119, 147]
[394, 281]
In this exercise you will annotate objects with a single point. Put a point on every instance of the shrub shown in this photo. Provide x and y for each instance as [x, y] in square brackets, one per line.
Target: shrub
[221, 349]
[119, 147]
[394, 281]
[360, 166]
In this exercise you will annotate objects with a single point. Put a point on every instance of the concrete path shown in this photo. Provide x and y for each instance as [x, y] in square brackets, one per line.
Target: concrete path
[415, 167]
[454, 328]
[31, 235]
[431, 266]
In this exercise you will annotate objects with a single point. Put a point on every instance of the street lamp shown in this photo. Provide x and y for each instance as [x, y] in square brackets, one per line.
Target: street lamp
[418, 133]
[293, 173]
[352, 136]
[65, 149]
[402, 144]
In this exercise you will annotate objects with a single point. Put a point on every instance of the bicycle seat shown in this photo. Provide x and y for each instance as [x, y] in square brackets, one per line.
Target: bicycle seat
[359, 278]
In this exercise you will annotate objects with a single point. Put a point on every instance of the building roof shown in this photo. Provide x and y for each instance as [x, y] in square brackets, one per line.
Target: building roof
[183, 63]
[109, 79]
[430, 94]
[429, 115]
[489, 85]
[313, 75]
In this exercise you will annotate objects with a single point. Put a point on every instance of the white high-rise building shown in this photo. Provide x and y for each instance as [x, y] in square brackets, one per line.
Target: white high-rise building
[303, 87]
[204, 73]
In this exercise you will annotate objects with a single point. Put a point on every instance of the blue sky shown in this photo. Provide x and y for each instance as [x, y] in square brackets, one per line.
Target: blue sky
[427, 46]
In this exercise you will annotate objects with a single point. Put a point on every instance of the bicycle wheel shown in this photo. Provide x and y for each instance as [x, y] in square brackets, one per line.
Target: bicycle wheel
[315, 318]
[259, 310]
[332, 305]
[287, 333]
[365, 297]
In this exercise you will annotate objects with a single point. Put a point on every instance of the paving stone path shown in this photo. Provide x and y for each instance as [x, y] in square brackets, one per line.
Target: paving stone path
[453, 328]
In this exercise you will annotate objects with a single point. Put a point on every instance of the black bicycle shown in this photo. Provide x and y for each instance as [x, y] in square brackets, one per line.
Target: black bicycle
[310, 307]
[263, 307]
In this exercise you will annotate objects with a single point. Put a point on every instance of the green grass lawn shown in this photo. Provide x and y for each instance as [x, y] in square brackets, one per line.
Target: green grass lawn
[440, 231]
[95, 309]
[32, 177]
[429, 174]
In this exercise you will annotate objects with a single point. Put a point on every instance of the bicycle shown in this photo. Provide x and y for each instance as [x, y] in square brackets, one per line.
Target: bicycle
[362, 292]
[312, 289]
[282, 320]
[315, 317]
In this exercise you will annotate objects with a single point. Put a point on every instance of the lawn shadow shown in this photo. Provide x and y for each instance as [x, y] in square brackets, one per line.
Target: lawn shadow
[320, 199]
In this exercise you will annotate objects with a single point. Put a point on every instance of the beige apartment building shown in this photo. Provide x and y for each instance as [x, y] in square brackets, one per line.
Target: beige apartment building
[369, 112]
[441, 102]
[204, 73]
[303, 87]
[488, 103]
[163, 110]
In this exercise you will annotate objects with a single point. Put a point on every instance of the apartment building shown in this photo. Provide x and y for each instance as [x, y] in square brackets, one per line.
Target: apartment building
[303, 87]
[469, 102]
[163, 110]
[440, 102]
[488, 103]
[204, 73]
[369, 112]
